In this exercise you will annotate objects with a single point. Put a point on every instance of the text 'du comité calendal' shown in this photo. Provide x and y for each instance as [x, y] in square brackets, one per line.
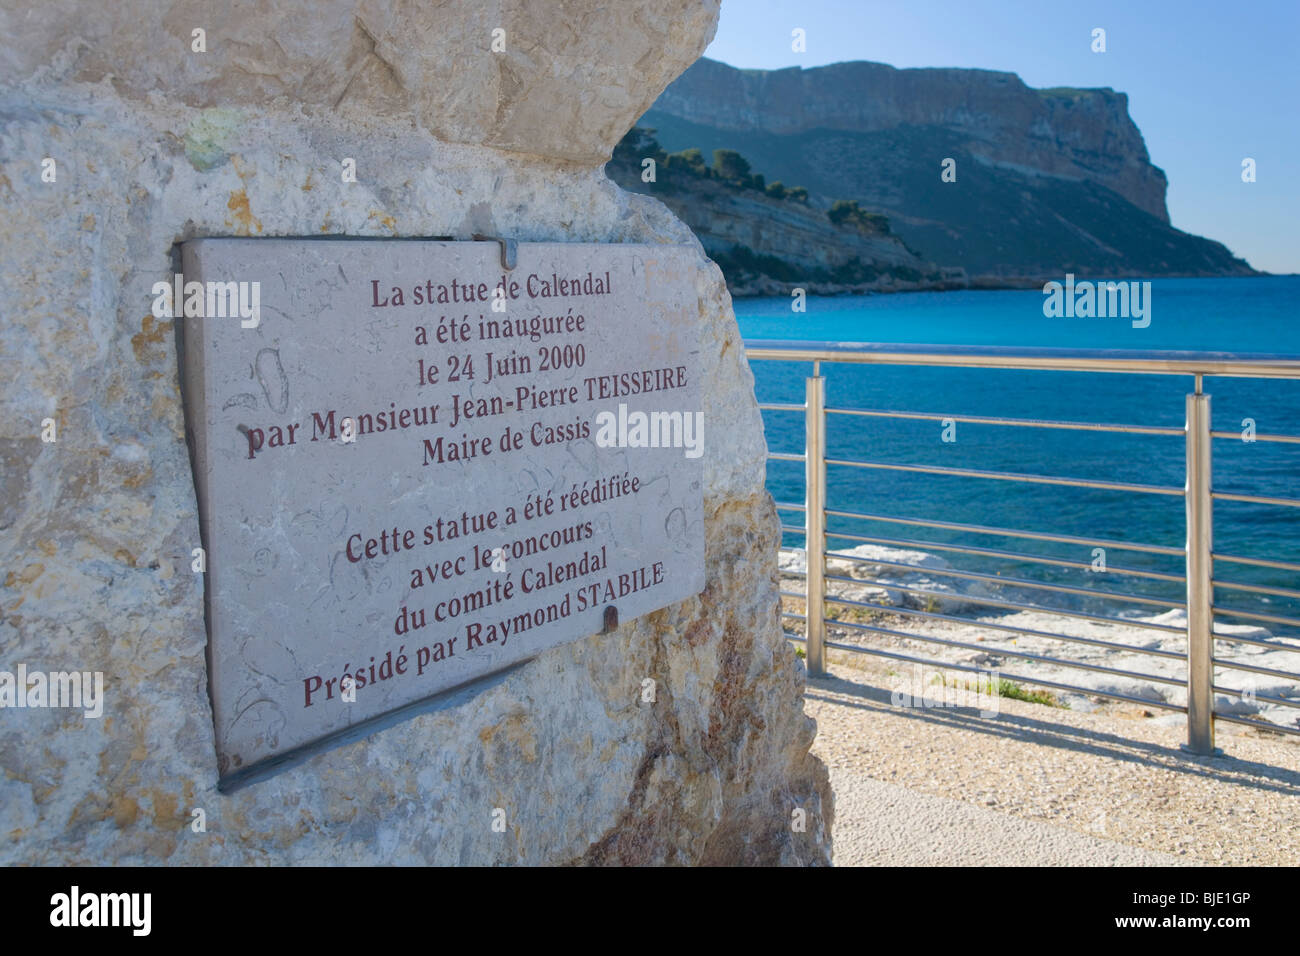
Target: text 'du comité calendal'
[417, 467]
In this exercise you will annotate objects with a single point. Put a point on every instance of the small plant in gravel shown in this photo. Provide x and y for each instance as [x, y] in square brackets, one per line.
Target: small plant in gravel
[1006, 688]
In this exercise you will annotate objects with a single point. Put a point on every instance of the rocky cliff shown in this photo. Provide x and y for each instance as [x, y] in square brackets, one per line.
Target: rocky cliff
[767, 244]
[1043, 181]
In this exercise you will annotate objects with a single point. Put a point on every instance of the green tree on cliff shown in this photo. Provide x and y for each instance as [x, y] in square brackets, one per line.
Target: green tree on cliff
[690, 161]
[730, 165]
[847, 212]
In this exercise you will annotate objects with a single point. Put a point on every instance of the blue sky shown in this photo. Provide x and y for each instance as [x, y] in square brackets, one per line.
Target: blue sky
[1209, 83]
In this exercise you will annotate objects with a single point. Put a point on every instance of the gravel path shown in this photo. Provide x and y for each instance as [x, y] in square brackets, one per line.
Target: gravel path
[1042, 785]
[883, 824]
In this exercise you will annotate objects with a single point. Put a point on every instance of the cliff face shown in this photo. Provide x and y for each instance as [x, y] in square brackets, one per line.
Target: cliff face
[1073, 134]
[1046, 181]
[768, 246]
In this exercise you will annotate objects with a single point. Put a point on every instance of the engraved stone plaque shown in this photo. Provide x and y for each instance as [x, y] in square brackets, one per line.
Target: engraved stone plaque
[416, 467]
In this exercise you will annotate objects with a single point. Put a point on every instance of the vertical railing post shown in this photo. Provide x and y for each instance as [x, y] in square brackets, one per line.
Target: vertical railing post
[1200, 589]
[815, 518]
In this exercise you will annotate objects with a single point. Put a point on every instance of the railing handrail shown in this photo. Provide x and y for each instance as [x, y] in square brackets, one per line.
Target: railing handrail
[1199, 495]
[1153, 361]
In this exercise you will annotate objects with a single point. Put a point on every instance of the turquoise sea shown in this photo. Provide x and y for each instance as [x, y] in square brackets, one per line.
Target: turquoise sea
[1254, 315]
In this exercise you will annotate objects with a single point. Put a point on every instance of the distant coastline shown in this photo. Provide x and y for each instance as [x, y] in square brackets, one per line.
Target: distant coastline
[859, 178]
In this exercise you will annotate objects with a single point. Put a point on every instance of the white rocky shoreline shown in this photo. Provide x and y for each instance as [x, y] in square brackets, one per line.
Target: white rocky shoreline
[956, 597]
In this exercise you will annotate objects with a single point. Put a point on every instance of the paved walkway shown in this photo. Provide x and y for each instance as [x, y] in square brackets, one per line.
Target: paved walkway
[1041, 785]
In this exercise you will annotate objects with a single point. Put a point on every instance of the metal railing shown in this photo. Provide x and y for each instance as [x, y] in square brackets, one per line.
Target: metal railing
[1198, 583]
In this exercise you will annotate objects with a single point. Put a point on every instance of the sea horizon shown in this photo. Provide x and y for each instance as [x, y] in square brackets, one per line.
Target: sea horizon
[1249, 315]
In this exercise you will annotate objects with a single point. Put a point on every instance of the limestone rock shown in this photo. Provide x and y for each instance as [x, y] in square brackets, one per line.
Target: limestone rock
[563, 79]
[96, 529]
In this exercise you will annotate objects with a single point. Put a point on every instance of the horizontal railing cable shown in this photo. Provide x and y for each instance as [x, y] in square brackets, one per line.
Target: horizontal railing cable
[1256, 696]
[1012, 605]
[1030, 632]
[1013, 422]
[1013, 582]
[1005, 652]
[1256, 616]
[1252, 499]
[1256, 669]
[1060, 360]
[1257, 562]
[1285, 439]
[1273, 645]
[1017, 476]
[1257, 589]
[1258, 724]
[1107, 543]
[996, 553]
